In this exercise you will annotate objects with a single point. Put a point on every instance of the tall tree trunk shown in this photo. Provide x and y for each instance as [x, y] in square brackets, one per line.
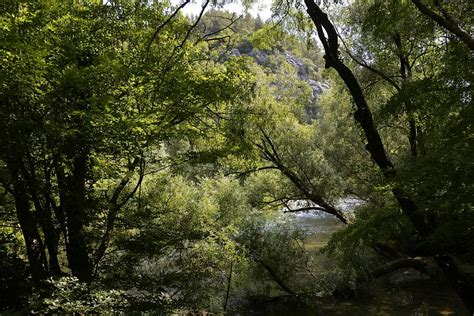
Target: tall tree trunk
[78, 254]
[28, 224]
[44, 214]
[73, 200]
[229, 283]
[53, 231]
[51, 236]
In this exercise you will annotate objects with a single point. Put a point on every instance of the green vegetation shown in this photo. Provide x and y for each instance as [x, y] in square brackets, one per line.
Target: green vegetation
[154, 162]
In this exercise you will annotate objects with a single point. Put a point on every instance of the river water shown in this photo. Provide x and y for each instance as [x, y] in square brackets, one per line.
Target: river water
[405, 292]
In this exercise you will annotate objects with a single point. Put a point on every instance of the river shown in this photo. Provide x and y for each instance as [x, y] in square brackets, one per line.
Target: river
[405, 292]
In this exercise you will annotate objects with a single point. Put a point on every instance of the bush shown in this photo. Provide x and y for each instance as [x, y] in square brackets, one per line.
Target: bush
[68, 295]
[15, 284]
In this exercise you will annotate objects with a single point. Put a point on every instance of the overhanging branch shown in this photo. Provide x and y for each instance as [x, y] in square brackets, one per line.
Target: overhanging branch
[445, 22]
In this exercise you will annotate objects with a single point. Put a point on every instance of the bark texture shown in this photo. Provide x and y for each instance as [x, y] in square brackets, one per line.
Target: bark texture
[329, 38]
[33, 242]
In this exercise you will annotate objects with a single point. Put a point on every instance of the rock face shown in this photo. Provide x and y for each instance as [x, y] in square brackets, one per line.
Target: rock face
[303, 68]
[318, 87]
[260, 56]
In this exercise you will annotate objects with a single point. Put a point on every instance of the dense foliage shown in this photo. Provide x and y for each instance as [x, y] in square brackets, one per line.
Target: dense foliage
[150, 161]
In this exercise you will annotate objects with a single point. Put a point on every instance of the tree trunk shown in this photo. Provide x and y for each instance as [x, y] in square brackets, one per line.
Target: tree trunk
[363, 114]
[229, 283]
[329, 38]
[73, 200]
[116, 205]
[33, 242]
[51, 237]
[406, 74]
[44, 215]
[276, 278]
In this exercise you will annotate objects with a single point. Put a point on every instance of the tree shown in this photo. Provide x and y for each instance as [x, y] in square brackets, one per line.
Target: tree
[86, 103]
[330, 41]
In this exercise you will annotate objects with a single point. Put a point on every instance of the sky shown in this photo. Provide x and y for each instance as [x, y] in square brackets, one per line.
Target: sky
[261, 7]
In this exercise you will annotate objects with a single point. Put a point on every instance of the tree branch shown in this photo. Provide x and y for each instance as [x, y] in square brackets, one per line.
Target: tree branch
[363, 115]
[305, 209]
[370, 68]
[402, 263]
[276, 277]
[273, 156]
[168, 20]
[116, 206]
[194, 24]
[232, 21]
[446, 23]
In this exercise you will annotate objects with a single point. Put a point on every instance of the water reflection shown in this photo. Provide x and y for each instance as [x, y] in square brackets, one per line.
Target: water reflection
[401, 293]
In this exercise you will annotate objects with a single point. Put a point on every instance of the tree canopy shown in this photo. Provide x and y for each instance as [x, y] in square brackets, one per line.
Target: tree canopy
[153, 161]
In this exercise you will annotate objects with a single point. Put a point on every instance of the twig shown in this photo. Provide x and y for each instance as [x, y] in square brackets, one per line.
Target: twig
[158, 30]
